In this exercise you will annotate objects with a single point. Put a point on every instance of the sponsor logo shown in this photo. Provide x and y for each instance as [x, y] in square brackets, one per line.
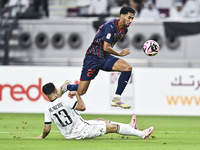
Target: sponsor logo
[180, 82]
[108, 36]
[183, 100]
[18, 91]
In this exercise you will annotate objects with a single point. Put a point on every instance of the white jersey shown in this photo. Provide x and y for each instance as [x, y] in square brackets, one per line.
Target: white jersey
[62, 112]
[70, 124]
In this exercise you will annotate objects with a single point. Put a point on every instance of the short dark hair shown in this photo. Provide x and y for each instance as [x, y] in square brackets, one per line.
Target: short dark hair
[48, 88]
[126, 9]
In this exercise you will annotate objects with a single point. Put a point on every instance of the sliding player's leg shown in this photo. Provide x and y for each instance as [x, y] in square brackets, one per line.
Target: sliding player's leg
[126, 129]
[133, 122]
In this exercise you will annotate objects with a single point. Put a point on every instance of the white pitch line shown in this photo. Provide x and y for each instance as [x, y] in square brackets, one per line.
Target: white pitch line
[184, 132]
[25, 132]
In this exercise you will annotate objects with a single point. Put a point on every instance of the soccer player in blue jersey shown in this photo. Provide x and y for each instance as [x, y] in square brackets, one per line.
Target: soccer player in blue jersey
[99, 56]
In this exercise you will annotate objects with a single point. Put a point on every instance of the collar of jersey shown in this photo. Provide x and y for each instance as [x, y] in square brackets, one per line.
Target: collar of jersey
[54, 99]
[118, 25]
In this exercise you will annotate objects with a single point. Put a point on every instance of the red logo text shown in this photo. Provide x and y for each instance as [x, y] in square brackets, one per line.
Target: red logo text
[17, 91]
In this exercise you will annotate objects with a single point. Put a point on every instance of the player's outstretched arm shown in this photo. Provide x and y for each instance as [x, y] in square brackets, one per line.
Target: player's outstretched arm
[107, 47]
[46, 131]
[81, 105]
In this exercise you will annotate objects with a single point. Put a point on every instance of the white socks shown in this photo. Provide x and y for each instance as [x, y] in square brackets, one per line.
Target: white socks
[116, 95]
[127, 129]
[112, 122]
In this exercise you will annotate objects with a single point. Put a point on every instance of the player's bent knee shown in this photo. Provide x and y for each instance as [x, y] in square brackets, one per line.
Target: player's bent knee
[111, 128]
[127, 68]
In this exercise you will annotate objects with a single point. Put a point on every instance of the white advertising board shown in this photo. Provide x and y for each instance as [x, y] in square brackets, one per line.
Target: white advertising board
[20, 89]
[151, 91]
[167, 91]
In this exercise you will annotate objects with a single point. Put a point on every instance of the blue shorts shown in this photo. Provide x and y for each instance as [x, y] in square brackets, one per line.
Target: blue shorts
[92, 64]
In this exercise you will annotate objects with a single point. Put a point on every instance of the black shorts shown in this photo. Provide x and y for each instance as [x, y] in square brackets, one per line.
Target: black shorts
[92, 64]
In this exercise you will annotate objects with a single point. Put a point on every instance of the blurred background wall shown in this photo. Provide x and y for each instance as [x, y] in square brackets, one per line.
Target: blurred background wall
[58, 32]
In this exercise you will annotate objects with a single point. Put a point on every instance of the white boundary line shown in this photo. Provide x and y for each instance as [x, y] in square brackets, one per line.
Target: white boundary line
[25, 132]
[177, 132]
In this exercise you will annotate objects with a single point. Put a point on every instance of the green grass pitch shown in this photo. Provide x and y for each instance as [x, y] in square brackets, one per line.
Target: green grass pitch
[17, 131]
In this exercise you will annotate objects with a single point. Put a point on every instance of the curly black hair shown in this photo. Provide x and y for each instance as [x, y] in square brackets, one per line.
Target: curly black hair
[126, 9]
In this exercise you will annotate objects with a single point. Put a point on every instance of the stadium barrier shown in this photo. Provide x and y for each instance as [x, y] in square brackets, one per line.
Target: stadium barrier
[138, 41]
[75, 40]
[72, 36]
[173, 42]
[58, 40]
[41, 40]
[150, 91]
[24, 40]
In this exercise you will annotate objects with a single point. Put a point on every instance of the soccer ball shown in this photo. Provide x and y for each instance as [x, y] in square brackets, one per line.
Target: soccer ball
[151, 48]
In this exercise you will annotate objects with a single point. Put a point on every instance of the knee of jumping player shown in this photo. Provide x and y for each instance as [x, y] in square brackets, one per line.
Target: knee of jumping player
[128, 68]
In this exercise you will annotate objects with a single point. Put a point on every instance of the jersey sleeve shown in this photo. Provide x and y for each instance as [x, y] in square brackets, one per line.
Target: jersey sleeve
[70, 102]
[109, 33]
[47, 117]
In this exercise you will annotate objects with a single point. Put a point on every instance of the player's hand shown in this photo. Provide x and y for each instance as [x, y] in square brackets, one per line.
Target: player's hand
[125, 52]
[71, 94]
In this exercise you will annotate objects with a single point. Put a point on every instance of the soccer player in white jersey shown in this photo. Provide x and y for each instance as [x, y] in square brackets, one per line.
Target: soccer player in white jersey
[62, 110]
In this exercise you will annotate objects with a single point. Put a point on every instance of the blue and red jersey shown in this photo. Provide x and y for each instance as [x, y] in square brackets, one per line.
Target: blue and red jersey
[108, 32]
